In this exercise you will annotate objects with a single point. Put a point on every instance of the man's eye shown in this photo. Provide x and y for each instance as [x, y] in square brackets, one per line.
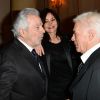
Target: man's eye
[46, 21]
[37, 27]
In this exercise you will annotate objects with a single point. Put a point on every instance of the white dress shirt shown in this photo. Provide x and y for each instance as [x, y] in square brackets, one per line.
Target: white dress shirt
[27, 46]
[87, 54]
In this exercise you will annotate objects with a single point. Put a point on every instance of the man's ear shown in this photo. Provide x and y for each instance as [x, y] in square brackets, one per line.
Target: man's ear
[91, 34]
[22, 32]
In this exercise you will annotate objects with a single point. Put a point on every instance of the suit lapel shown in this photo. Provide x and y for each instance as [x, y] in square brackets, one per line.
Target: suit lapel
[80, 74]
[86, 66]
[35, 65]
[27, 54]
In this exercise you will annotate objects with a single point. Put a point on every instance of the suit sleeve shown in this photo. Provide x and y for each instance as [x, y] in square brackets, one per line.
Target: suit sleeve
[7, 77]
[93, 91]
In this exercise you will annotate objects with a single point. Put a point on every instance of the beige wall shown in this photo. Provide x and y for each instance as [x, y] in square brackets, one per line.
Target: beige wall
[74, 7]
[4, 11]
[20, 4]
[89, 5]
[66, 12]
[70, 8]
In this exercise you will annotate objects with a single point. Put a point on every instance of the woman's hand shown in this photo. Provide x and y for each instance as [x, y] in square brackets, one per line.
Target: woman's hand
[39, 50]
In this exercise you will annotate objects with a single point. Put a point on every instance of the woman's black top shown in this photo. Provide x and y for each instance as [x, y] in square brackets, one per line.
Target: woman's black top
[60, 68]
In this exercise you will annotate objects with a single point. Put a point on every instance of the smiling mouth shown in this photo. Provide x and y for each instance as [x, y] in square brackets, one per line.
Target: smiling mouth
[49, 28]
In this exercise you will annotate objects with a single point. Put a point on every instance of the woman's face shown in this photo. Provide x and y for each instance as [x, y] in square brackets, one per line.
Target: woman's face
[50, 24]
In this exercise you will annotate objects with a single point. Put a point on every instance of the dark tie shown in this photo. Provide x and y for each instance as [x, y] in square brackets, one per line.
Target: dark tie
[36, 58]
[34, 55]
[80, 67]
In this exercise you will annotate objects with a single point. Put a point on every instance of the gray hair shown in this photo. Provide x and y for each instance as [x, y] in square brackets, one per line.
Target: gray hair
[21, 20]
[92, 20]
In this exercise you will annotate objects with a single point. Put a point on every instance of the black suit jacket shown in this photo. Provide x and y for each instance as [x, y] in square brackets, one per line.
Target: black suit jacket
[86, 86]
[20, 75]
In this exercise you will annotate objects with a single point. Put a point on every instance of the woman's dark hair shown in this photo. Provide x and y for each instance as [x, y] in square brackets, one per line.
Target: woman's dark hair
[43, 15]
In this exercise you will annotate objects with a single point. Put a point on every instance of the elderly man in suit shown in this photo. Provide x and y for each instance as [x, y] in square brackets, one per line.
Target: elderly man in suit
[86, 37]
[22, 75]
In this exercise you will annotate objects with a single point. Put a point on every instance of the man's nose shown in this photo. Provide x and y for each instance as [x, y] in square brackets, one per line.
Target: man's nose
[72, 38]
[43, 30]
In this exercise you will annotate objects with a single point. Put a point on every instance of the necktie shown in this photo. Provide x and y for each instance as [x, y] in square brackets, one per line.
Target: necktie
[80, 66]
[36, 59]
[34, 54]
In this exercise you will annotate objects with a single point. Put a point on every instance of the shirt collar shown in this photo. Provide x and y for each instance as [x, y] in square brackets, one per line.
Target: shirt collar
[87, 54]
[27, 46]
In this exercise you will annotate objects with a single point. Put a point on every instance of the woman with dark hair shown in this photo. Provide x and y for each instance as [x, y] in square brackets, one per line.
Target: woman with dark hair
[59, 57]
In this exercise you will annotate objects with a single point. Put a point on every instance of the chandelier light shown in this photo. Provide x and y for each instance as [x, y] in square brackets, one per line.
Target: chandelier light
[56, 3]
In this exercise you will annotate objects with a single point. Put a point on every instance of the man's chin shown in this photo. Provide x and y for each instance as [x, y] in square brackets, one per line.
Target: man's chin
[39, 43]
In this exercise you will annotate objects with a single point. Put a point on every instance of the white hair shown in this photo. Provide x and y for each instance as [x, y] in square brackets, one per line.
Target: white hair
[21, 20]
[92, 20]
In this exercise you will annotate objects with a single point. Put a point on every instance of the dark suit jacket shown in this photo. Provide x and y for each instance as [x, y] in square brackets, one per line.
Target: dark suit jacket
[20, 76]
[86, 86]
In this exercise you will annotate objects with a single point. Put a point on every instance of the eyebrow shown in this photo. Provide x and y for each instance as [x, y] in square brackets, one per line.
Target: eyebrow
[51, 18]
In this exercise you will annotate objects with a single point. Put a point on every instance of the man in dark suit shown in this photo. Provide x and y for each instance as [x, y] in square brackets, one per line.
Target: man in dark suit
[22, 76]
[86, 37]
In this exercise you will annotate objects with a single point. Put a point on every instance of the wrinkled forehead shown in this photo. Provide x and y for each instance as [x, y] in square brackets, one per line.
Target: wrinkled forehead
[34, 20]
[80, 25]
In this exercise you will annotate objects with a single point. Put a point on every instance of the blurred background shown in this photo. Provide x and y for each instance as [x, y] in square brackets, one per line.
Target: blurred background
[66, 9]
